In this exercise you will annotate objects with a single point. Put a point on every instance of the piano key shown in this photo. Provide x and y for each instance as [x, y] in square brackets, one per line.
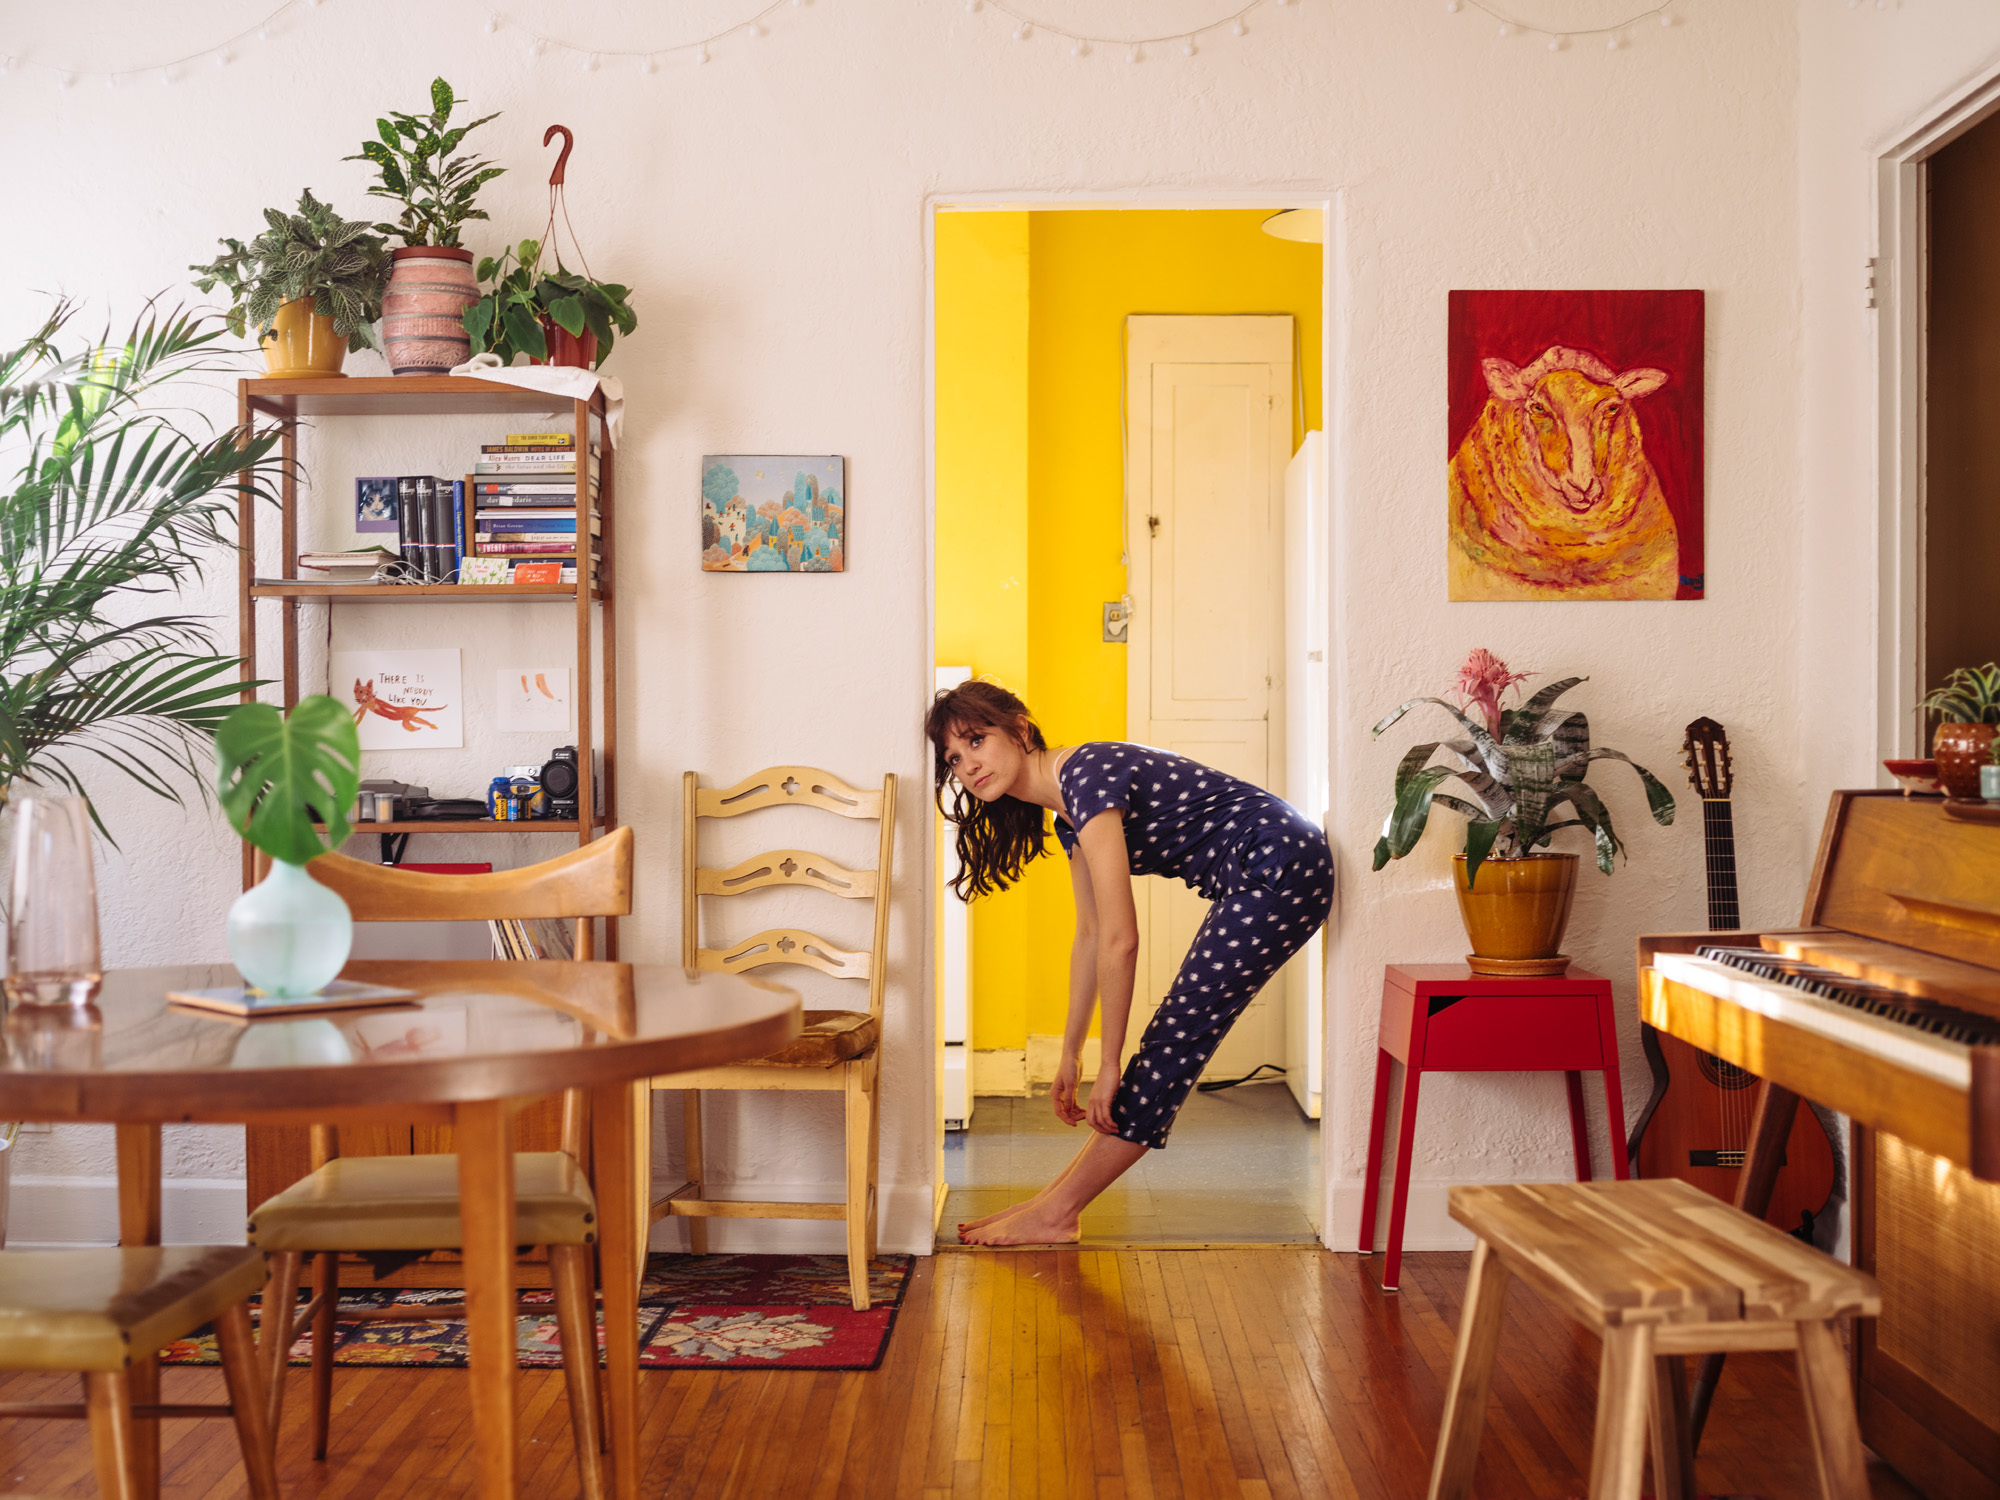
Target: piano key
[1918, 1050]
[1894, 1005]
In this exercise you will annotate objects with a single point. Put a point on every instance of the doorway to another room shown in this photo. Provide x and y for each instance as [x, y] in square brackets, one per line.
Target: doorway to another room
[1129, 491]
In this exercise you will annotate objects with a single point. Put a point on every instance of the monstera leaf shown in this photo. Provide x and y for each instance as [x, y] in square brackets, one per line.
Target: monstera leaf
[278, 774]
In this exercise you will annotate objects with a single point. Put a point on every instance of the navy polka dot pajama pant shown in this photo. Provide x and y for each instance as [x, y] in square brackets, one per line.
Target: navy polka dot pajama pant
[1250, 931]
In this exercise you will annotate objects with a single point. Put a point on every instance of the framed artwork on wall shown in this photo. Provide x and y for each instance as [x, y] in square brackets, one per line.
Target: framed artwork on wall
[1575, 443]
[401, 700]
[375, 504]
[773, 514]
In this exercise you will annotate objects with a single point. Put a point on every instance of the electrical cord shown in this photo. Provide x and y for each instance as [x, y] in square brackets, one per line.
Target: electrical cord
[1216, 1085]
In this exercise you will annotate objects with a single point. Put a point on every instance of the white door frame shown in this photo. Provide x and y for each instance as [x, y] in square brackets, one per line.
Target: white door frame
[1900, 350]
[1333, 334]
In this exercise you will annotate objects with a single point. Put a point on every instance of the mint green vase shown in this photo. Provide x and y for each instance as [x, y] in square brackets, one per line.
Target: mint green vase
[289, 934]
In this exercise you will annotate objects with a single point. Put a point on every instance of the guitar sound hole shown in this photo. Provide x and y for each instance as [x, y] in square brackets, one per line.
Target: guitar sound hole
[1724, 1075]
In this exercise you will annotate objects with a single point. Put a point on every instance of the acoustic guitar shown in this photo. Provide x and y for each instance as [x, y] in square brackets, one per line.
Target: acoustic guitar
[1697, 1124]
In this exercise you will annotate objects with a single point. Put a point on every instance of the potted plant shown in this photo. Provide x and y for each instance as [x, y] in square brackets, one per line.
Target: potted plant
[555, 317]
[111, 502]
[1519, 767]
[277, 775]
[432, 282]
[310, 285]
[1969, 707]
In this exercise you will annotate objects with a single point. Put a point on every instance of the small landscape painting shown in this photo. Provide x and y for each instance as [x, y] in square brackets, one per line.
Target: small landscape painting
[764, 514]
[1576, 445]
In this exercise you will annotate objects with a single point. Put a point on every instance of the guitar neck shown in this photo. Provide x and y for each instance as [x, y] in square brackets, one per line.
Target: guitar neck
[1718, 831]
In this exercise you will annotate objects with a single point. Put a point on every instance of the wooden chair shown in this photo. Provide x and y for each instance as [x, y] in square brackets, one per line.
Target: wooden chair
[840, 1049]
[98, 1311]
[1660, 1270]
[410, 1203]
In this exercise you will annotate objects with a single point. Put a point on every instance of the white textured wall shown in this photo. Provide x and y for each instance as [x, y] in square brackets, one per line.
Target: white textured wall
[770, 210]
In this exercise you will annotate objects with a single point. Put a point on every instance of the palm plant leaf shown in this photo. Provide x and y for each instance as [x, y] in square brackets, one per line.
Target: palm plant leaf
[111, 498]
[279, 773]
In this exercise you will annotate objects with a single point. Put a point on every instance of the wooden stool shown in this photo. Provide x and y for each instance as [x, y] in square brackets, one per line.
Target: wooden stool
[1660, 1270]
[1445, 1018]
[101, 1311]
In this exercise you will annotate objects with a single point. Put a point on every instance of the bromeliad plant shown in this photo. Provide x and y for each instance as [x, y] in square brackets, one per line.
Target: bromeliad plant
[508, 320]
[339, 263]
[1971, 695]
[413, 156]
[1520, 767]
[109, 501]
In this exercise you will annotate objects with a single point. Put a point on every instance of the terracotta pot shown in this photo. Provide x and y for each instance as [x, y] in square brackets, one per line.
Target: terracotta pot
[1515, 916]
[423, 310]
[302, 343]
[1961, 749]
[568, 349]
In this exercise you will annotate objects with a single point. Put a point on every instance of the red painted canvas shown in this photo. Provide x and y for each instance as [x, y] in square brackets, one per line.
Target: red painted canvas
[1576, 445]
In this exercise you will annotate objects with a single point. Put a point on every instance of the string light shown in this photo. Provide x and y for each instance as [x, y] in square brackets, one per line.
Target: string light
[1081, 43]
[1559, 41]
[259, 30]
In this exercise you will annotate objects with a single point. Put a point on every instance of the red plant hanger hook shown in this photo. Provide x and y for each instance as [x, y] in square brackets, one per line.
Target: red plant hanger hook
[569, 144]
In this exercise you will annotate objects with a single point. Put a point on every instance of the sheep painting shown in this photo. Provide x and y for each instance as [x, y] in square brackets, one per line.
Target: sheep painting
[1555, 494]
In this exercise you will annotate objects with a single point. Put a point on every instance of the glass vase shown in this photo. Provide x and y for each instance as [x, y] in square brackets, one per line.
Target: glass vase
[52, 949]
[289, 934]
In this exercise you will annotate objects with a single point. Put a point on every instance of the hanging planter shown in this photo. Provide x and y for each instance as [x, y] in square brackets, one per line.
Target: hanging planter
[555, 317]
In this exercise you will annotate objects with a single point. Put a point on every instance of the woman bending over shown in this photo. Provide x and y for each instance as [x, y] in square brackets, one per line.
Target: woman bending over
[1124, 810]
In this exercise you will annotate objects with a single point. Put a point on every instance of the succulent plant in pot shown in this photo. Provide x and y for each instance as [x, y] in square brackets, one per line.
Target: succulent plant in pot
[432, 281]
[310, 287]
[278, 775]
[1968, 708]
[554, 317]
[1520, 768]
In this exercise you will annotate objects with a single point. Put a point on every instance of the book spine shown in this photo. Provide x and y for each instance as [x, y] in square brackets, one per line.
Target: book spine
[426, 518]
[511, 448]
[457, 526]
[526, 549]
[505, 522]
[406, 528]
[444, 554]
[538, 439]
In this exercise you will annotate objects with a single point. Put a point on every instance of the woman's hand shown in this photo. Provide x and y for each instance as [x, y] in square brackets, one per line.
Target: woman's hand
[1063, 1093]
[1101, 1095]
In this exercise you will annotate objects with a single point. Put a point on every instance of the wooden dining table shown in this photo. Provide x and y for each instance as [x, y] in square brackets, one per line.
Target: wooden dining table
[475, 1042]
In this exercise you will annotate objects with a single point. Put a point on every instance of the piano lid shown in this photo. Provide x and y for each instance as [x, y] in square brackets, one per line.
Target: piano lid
[1895, 869]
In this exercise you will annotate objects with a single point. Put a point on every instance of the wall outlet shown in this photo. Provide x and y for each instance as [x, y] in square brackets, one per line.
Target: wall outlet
[1115, 621]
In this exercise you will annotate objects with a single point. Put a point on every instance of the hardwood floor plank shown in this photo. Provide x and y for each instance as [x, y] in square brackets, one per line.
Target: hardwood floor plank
[1119, 1375]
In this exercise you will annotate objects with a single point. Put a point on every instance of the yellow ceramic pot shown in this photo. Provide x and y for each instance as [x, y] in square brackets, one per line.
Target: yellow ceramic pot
[302, 343]
[1961, 749]
[1514, 917]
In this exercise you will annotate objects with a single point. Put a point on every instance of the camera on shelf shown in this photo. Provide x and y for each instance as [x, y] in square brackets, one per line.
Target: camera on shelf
[560, 783]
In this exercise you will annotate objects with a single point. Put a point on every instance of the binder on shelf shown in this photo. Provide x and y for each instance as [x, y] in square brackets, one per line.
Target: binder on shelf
[407, 540]
[444, 552]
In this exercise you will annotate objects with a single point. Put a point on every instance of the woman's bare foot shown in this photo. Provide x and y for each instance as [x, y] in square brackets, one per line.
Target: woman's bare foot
[1013, 1208]
[1027, 1224]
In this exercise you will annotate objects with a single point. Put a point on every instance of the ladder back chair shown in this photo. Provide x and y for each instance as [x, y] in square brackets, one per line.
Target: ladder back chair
[389, 1204]
[840, 1049]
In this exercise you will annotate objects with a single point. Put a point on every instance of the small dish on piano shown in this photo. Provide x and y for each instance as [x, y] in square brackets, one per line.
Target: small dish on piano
[1917, 778]
[1971, 810]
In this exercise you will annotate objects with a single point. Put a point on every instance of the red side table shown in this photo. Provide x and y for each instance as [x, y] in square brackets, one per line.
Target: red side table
[1444, 1017]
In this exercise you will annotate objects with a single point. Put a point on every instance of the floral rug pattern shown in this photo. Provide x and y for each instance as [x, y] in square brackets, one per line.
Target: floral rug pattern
[711, 1312]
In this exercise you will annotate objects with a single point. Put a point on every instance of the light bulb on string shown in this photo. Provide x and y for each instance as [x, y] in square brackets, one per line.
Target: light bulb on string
[1612, 44]
[1557, 43]
[1666, 18]
[972, 7]
[1137, 54]
[1079, 48]
[538, 46]
[1453, 6]
[1188, 47]
[69, 80]
[1505, 29]
[492, 24]
[701, 53]
[1021, 32]
[648, 65]
[263, 33]
[590, 63]
[166, 75]
[1239, 28]
[222, 59]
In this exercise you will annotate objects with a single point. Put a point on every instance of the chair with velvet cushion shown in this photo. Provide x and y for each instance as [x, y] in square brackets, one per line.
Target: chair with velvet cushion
[840, 1049]
[97, 1312]
[409, 1204]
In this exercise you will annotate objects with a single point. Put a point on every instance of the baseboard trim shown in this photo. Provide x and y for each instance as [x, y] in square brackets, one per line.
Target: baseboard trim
[1427, 1220]
[65, 1212]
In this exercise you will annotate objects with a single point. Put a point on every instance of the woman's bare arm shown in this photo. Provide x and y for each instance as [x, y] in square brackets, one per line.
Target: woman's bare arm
[1101, 841]
[1082, 994]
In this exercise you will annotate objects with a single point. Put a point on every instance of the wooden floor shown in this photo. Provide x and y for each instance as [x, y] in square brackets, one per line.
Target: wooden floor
[1253, 1373]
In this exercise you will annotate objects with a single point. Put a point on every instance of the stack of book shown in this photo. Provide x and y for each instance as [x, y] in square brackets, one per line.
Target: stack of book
[429, 528]
[524, 495]
[362, 565]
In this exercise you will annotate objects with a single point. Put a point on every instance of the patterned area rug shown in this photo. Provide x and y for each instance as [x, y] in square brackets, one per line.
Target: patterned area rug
[711, 1312]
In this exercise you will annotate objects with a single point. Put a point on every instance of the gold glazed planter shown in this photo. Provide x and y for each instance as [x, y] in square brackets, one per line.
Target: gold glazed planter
[301, 343]
[1961, 749]
[1515, 916]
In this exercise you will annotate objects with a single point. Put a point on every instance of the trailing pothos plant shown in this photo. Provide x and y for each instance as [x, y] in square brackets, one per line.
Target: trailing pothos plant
[508, 319]
[1520, 767]
[412, 157]
[110, 500]
[278, 774]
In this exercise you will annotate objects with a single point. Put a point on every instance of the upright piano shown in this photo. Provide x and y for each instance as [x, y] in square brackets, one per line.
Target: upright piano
[1883, 1004]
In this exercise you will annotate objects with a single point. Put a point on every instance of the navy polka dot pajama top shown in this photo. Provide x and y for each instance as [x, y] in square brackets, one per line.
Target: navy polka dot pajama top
[1267, 870]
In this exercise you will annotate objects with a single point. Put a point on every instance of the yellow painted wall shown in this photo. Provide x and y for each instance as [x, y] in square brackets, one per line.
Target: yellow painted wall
[1084, 273]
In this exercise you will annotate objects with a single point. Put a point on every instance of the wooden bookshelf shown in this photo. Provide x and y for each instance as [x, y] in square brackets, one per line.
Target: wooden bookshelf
[287, 403]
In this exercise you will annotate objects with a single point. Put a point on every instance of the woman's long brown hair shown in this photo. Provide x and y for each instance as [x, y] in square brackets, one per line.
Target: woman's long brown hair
[997, 839]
